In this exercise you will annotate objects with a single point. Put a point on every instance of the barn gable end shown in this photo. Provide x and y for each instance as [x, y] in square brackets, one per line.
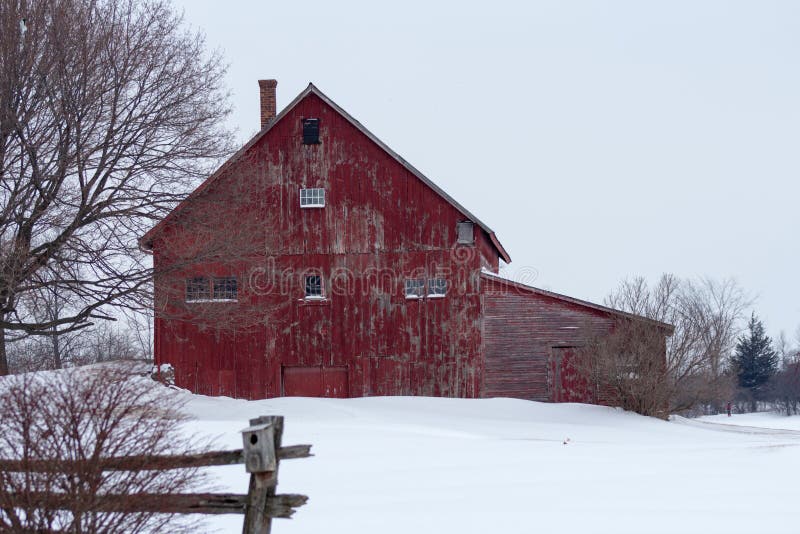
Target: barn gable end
[381, 223]
[309, 102]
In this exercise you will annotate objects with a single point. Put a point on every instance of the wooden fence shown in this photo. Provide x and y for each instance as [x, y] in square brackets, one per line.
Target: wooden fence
[261, 455]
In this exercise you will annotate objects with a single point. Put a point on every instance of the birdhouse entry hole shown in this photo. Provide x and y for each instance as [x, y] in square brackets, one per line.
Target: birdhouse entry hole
[253, 439]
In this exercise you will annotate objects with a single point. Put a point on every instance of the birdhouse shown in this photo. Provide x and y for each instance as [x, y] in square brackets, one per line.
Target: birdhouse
[259, 448]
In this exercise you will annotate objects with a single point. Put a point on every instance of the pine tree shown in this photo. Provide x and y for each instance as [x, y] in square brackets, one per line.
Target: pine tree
[755, 360]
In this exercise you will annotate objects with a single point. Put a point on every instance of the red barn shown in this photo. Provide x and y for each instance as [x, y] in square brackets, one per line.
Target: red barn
[318, 262]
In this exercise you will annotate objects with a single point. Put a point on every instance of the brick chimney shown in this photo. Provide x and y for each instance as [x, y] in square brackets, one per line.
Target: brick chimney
[267, 88]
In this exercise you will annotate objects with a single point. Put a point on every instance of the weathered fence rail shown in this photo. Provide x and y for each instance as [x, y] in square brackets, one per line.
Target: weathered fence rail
[180, 503]
[261, 455]
[150, 463]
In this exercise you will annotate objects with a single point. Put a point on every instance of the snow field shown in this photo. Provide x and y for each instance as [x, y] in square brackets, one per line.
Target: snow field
[419, 465]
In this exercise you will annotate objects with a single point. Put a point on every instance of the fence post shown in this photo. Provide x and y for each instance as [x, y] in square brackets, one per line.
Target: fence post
[257, 519]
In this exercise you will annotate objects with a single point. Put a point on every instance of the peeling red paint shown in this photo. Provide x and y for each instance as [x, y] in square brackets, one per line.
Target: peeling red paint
[380, 225]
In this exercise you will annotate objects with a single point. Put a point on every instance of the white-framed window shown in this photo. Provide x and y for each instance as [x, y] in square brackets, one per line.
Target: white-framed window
[312, 198]
[197, 289]
[415, 288]
[205, 289]
[437, 287]
[225, 288]
[313, 287]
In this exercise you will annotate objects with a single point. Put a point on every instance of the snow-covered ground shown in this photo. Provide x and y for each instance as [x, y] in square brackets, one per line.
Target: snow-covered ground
[426, 465]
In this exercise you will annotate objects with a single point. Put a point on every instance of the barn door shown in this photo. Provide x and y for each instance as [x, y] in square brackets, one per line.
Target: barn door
[315, 381]
[554, 375]
[302, 382]
[564, 382]
[334, 382]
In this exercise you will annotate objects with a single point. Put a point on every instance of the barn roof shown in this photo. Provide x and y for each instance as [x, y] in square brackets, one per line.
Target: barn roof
[146, 240]
[577, 302]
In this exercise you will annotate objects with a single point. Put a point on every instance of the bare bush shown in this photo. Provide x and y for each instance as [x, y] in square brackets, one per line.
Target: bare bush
[629, 367]
[73, 420]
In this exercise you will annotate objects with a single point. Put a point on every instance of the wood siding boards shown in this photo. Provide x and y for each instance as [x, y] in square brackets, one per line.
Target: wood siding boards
[521, 327]
[380, 224]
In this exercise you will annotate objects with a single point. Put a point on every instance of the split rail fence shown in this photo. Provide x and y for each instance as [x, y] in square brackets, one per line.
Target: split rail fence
[261, 455]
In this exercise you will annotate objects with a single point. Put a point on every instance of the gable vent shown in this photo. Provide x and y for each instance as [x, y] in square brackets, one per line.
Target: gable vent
[466, 233]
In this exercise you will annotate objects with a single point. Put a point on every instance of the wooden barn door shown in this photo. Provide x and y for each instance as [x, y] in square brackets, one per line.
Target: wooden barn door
[316, 381]
[564, 382]
[334, 382]
[302, 382]
[554, 375]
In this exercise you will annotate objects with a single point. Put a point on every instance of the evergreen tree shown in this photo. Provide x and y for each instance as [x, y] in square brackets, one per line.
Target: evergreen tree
[755, 360]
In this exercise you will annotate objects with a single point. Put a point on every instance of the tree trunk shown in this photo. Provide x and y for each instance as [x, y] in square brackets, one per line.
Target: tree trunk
[56, 352]
[56, 312]
[3, 356]
[716, 404]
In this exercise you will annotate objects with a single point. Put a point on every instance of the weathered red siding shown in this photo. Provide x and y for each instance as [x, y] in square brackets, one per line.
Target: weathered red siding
[525, 335]
[380, 225]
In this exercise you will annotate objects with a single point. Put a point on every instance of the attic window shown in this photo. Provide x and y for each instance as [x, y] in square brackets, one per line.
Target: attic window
[312, 198]
[310, 131]
[466, 233]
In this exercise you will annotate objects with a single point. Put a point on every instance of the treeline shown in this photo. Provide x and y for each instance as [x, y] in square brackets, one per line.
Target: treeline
[767, 373]
[129, 338]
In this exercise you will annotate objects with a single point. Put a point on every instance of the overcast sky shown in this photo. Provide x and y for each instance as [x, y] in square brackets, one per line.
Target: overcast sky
[599, 140]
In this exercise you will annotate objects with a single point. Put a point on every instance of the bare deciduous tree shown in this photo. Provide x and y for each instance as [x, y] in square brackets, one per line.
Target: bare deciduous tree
[714, 311]
[110, 112]
[140, 324]
[707, 317]
[74, 419]
[45, 304]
